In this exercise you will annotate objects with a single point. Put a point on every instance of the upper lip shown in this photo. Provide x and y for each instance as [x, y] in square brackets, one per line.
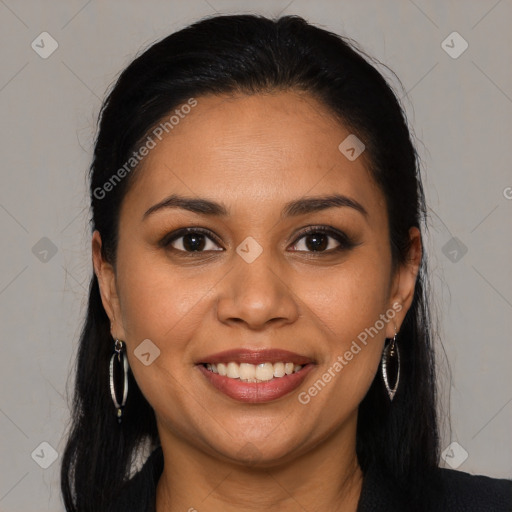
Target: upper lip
[240, 355]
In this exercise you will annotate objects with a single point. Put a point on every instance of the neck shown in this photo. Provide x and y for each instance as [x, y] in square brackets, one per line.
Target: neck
[327, 477]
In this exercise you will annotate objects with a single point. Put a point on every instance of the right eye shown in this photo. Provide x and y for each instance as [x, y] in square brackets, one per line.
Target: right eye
[190, 240]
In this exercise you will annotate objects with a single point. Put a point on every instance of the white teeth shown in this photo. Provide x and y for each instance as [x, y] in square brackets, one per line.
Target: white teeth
[233, 371]
[247, 371]
[265, 371]
[254, 373]
[279, 370]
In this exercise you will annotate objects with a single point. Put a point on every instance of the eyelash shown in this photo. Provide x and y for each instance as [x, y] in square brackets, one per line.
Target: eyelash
[345, 243]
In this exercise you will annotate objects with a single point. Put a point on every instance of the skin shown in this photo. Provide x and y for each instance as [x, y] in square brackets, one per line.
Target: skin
[254, 154]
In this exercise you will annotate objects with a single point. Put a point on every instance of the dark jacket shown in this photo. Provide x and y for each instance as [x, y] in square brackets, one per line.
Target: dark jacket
[447, 491]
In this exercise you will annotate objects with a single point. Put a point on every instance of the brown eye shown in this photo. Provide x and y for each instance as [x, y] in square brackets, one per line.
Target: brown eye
[191, 240]
[321, 239]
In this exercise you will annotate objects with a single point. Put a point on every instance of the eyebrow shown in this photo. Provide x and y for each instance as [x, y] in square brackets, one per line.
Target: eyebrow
[294, 208]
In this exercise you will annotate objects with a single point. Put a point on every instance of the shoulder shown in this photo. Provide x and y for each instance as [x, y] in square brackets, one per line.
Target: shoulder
[464, 491]
[437, 490]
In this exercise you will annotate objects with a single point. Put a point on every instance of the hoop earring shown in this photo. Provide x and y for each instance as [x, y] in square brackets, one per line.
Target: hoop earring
[118, 351]
[391, 361]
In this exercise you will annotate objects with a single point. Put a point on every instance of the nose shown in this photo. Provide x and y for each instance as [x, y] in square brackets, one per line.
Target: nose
[257, 294]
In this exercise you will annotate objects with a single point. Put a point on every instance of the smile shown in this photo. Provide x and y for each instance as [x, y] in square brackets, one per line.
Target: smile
[247, 372]
[243, 382]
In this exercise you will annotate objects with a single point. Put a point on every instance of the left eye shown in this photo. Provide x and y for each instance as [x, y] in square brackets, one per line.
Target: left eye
[317, 240]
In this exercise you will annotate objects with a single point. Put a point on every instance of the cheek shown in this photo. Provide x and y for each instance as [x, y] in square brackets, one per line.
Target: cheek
[349, 309]
[350, 299]
[155, 299]
[168, 306]
[160, 304]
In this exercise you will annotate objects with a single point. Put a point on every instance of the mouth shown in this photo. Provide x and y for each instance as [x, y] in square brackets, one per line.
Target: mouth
[247, 372]
[255, 376]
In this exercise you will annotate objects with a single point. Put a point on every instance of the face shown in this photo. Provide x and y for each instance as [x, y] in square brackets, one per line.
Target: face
[250, 279]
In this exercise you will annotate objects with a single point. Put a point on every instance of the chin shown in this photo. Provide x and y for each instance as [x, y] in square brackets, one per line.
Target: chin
[262, 451]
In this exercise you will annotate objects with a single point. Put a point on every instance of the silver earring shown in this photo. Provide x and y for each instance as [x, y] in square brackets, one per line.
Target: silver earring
[119, 352]
[391, 361]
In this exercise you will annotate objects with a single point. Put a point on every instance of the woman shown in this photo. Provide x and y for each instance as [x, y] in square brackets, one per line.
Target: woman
[258, 311]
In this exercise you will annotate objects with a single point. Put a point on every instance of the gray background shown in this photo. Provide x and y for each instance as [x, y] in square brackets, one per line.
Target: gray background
[459, 108]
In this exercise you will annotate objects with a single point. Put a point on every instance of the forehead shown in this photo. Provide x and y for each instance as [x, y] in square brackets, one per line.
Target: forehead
[249, 150]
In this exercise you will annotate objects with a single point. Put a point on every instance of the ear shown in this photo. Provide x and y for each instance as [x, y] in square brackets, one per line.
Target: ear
[108, 289]
[404, 282]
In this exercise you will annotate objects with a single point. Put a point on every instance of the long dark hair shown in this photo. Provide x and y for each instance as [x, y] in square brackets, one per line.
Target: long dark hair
[252, 54]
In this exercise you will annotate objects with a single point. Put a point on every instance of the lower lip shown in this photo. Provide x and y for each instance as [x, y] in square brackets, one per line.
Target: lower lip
[257, 392]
